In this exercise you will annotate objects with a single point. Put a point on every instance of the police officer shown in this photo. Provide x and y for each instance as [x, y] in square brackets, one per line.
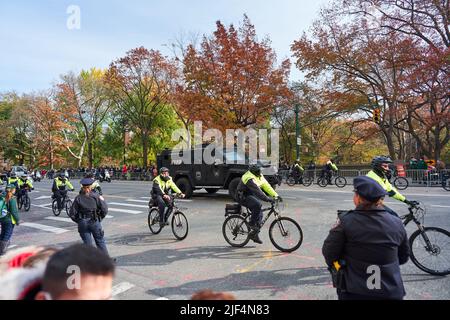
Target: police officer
[252, 188]
[96, 185]
[88, 210]
[59, 188]
[162, 184]
[328, 169]
[24, 184]
[14, 180]
[380, 173]
[368, 242]
[298, 170]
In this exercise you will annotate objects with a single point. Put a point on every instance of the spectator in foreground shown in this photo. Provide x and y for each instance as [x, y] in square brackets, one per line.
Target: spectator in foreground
[79, 272]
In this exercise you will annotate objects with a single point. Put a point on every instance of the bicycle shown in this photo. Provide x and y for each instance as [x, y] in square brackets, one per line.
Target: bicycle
[236, 228]
[66, 203]
[426, 239]
[24, 200]
[401, 183]
[339, 181]
[306, 180]
[179, 223]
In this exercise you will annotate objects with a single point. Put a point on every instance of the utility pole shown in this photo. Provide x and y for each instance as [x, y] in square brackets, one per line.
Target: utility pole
[297, 131]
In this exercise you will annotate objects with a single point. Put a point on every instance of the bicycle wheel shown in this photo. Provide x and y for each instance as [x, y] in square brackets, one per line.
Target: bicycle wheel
[285, 234]
[235, 230]
[55, 210]
[290, 181]
[307, 181]
[446, 184]
[27, 203]
[430, 250]
[153, 221]
[322, 182]
[401, 183]
[180, 227]
[340, 182]
[20, 203]
[68, 205]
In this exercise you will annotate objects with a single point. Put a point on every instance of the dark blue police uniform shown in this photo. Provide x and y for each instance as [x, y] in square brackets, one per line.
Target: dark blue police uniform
[90, 209]
[365, 238]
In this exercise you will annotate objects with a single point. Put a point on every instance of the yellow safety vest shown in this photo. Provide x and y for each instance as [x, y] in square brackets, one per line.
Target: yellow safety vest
[166, 185]
[386, 185]
[260, 182]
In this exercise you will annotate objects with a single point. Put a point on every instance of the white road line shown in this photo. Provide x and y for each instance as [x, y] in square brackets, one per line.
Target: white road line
[350, 192]
[148, 198]
[141, 201]
[437, 206]
[44, 227]
[315, 199]
[41, 206]
[291, 198]
[43, 197]
[124, 211]
[128, 205]
[59, 219]
[109, 217]
[184, 200]
[12, 246]
[121, 288]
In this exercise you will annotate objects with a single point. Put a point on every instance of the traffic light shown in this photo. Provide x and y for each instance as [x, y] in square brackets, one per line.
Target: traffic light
[376, 115]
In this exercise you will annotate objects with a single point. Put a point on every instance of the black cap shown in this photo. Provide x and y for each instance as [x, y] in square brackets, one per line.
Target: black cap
[86, 181]
[368, 188]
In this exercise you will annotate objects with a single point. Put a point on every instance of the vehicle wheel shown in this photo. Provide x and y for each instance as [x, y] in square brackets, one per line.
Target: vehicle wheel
[235, 231]
[20, 203]
[446, 184]
[285, 234]
[340, 182]
[290, 181]
[401, 183]
[322, 182]
[185, 186]
[211, 190]
[307, 181]
[109, 180]
[27, 203]
[429, 250]
[153, 221]
[180, 227]
[68, 205]
[232, 188]
[55, 210]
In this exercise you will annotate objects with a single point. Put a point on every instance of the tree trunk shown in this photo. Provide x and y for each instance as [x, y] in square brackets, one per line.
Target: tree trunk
[144, 138]
[90, 154]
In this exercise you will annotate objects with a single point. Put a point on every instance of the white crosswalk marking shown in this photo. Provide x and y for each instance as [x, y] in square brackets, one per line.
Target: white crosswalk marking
[59, 219]
[128, 205]
[124, 210]
[141, 201]
[43, 197]
[437, 206]
[41, 206]
[44, 227]
[121, 288]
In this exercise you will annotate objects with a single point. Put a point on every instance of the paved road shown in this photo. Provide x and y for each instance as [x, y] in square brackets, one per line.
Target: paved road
[159, 267]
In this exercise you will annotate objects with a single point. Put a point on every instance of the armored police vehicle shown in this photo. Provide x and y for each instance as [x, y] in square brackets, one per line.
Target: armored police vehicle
[224, 172]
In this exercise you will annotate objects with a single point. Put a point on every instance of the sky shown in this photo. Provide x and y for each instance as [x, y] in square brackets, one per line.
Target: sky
[40, 40]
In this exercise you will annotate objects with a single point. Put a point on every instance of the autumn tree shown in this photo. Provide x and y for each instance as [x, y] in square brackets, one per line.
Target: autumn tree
[360, 62]
[231, 80]
[141, 84]
[86, 100]
[49, 123]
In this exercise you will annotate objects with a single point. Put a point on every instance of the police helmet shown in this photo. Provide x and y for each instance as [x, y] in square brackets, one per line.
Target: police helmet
[255, 169]
[12, 175]
[163, 169]
[379, 160]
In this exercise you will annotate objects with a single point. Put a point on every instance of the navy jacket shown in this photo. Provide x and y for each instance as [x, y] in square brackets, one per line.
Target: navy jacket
[367, 237]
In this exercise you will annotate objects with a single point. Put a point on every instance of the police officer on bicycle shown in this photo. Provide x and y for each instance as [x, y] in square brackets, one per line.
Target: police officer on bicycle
[59, 188]
[252, 188]
[162, 184]
[380, 173]
[88, 210]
